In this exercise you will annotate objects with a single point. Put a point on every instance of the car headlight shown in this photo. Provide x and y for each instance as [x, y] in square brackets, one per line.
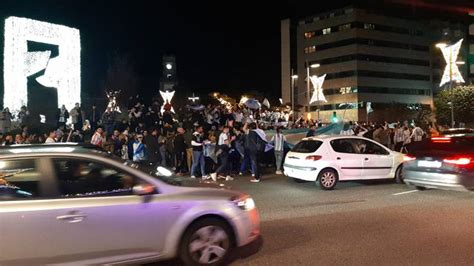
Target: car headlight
[245, 203]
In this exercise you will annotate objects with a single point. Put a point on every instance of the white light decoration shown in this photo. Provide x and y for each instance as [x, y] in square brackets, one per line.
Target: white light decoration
[451, 72]
[169, 66]
[167, 96]
[112, 96]
[318, 95]
[62, 72]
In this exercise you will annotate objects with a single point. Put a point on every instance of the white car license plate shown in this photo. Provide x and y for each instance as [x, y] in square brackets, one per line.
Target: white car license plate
[429, 164]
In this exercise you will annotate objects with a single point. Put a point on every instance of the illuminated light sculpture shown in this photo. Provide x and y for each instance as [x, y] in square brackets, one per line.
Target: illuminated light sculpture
[451, 72]
[193, 99]
[167, 96]
[318, 95]
[112, 97]
[62, 72]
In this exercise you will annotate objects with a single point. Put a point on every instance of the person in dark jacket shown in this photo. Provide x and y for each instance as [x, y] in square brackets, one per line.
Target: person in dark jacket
[311, 131]
[180, 151]
[253, 146]
[152, 146]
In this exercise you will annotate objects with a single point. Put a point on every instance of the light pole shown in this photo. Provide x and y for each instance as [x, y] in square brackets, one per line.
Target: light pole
[293, 77]
[308, 66]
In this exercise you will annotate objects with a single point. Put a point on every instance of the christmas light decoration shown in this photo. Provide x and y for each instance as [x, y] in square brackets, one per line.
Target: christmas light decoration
[112, 96]
[167, 96]
[61, 72]
[451, 72]
[318, 95]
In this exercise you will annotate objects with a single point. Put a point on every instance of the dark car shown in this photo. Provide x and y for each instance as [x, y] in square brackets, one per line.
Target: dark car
[445, 162]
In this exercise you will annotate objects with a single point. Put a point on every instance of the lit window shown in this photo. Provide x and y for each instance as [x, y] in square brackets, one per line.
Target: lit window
[310, 49]
[345, 27]
[326, 31]
[309, 34]
[369, 26]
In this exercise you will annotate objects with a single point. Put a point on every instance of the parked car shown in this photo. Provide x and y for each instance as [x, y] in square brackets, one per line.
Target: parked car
[456, 131]
[330, 159]
[445, 162]
[71, 204]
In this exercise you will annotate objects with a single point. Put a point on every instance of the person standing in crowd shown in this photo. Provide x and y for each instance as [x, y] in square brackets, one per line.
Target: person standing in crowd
[223, 146]
[255, 146]
[152, 146]
[138, 149]
[407, 139]
[198, 155]
[51, 137]
[180, 151]
[399, 138]
[108, 120]
[98, 139]
[62, 116]
[23, 116]
[417, 134]
[278, 141]
[94, 118]
[188, 137]
[347, 130]
[5, 120]
[77, 116]
[311, 131]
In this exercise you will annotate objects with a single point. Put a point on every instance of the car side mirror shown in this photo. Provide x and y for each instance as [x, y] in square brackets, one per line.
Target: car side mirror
[143, 190]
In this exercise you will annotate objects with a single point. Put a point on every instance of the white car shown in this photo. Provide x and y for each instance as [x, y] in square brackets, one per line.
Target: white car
[330, 159]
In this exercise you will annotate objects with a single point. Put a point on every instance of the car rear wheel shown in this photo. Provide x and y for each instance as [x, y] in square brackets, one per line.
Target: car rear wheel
[399, 175]
[206, 242]
[327, 179]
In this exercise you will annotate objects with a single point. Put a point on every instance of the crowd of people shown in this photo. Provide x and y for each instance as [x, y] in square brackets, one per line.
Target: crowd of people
[212, 142]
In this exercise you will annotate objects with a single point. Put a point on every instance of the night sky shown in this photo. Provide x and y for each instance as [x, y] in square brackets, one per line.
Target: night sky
[227, 46]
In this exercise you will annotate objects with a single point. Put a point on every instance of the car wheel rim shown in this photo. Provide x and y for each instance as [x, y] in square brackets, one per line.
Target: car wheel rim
[328, 179]
[209, 244]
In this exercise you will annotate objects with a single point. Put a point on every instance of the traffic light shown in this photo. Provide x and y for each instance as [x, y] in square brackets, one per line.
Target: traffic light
[334, 117]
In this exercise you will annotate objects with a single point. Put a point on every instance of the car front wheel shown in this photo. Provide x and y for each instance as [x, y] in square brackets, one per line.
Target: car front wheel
[327, 179]
[206, 242]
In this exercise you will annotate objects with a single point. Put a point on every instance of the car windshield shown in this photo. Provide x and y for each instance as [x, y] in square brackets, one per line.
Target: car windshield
[307, 146]
[150, 169]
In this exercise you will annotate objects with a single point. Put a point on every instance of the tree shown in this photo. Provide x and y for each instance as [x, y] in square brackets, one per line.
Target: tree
[462, 98]
[121, 75]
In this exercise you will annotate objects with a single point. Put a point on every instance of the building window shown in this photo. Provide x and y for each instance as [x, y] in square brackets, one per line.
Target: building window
[344, 27]
[326, 31]
[345, 90]
[310, 49]
[369, 26]
[309, 34]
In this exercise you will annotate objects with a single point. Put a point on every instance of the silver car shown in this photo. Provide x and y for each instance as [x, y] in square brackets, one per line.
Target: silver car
[71, 204]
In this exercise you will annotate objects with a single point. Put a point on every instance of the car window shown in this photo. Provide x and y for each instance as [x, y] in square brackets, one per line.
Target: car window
[343, 146]
[368, 147]
[19, 179]
[307, 146]
[82, 178]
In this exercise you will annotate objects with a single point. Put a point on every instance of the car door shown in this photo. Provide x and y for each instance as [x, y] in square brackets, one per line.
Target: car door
[347, 158]
[99, 219]
[26, 190]
[378, 161]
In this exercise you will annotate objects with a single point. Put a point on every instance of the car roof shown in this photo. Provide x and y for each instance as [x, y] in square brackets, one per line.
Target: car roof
[332, 137]
[68, 147]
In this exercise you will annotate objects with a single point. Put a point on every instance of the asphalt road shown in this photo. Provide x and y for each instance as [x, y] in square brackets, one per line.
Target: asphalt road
[359, 223]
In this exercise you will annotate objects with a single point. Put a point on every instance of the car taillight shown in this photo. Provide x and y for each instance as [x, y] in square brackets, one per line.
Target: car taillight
[441, 139]
[313, 157]
[458, 160]
[407, 158]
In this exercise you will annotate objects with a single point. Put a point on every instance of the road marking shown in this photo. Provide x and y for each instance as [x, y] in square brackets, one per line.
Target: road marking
[404, 192]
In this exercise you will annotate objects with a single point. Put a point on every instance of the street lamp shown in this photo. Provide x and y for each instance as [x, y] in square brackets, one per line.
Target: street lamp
[451, 73]
[293, 78]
